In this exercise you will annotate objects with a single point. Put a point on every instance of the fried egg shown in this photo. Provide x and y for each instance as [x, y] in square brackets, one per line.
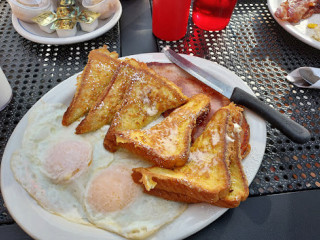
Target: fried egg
[123, 207]
[73, 176]
[54, 163]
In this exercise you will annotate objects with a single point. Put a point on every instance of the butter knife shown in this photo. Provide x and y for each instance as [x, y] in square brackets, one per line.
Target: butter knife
[288, 127]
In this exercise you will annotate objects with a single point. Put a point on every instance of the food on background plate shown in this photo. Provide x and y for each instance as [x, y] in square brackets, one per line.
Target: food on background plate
[67, 3]
[45, 21]
[88, 20]
[316, 35]
[316, 28]
[90, 84]
[32, 3]
[28, 9]
[167, 144]
[65, 27]
[105, 7]
[67, 14]
[213, 173]
[295, 10]
[78, 179]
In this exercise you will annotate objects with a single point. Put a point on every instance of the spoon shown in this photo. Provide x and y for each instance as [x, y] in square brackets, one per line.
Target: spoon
[308, 75]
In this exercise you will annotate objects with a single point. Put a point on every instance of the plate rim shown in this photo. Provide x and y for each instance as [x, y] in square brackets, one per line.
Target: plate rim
[16, 22]
[5, 164]
[290, 28]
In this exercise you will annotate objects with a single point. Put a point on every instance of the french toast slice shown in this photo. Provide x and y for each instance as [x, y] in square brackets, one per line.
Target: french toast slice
[239, 189]
[95, 77]
[205, 177]
[167, 144]
[109, 101]
[213, 173]
[147, 96]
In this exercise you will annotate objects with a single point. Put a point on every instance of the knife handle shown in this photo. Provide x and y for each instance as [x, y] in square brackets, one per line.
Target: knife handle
[290, 128]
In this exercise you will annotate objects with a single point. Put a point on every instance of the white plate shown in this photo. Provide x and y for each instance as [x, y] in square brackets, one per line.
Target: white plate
[40, 224]
[32, 32]
[298, 30]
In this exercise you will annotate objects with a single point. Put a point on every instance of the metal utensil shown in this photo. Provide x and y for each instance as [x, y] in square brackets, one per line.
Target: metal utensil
[308, 75]
[291, 129]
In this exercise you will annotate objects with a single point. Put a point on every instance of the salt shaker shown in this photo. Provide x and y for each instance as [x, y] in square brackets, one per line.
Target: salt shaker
[5, 91]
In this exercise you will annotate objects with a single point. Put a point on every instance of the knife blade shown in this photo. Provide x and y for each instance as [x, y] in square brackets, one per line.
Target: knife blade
[288, 127]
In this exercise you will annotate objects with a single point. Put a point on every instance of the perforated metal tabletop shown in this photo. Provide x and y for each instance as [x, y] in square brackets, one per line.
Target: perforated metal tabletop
[261, 53]
[253, 45]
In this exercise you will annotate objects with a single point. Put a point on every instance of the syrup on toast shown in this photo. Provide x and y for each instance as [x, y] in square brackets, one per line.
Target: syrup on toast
[213, 173]
[147, 96]
[95, 77]
[110, 99]
[167, 144]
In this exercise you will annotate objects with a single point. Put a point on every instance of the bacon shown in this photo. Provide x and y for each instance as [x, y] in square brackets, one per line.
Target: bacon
[295, 10]
[313, 10]
[191, 86]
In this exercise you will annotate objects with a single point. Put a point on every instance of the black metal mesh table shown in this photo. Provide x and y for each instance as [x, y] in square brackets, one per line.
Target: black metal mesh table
[261, 53]
[253, 45]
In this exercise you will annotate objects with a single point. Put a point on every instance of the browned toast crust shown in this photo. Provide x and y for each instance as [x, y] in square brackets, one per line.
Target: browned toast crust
[109, 101]
[172, 196]
[239, 189]
[148, 95]
[177, 185]
[167, 144]
[245, 138]
[94, 78]
[205, 177]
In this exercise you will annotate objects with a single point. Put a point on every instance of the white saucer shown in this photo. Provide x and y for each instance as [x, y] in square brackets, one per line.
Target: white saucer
[32, 32]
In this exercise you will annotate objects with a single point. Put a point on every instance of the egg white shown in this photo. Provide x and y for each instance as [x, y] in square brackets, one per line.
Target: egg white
[68, 199]
[43, 131]
[140, 218]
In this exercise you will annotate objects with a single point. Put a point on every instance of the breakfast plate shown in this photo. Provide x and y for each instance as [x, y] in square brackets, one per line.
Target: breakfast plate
[298, 30]
[32, 32]
[41, 224]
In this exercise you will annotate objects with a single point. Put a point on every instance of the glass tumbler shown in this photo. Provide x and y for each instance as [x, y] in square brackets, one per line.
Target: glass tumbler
[212, 15]
[170, 18]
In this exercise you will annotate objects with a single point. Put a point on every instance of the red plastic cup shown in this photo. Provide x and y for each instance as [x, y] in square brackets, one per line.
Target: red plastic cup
[212, 15]
[170, 18]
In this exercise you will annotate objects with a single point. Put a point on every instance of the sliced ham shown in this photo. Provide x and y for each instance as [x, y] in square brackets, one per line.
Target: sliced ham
[191, 86]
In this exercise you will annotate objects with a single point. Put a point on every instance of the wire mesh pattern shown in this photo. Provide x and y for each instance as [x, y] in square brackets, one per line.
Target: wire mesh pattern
[253, 45]
[261, 53]
[33, 69]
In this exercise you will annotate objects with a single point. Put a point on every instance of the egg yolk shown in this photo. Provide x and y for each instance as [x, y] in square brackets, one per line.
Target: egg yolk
[112, 190]
[67, 159]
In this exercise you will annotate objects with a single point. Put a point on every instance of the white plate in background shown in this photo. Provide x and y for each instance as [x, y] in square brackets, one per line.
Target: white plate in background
[298, 30]
[40, 224]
